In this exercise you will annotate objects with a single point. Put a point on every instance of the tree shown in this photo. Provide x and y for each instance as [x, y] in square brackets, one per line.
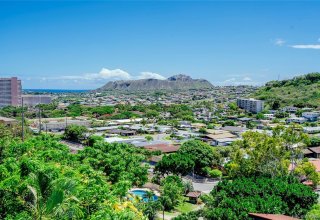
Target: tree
[148, 138]
[202, 154]
[228, 123]
[308, 170]
[262, 154]
[179, 164]
[233, 106]
[171, 190]
[53, 200]
[94, 139]
[314, 213]
[215, 173]
[75, 133]
[235, 199]
[41, 179]
[203, 130]
[259, 116]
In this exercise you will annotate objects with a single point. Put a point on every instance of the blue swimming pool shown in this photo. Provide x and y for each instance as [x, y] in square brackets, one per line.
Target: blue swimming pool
[143, 194]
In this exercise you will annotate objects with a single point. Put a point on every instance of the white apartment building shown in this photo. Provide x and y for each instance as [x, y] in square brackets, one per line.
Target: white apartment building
[250, 105]
[311, 116]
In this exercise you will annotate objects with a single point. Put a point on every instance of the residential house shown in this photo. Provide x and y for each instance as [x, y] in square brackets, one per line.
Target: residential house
[299, 120]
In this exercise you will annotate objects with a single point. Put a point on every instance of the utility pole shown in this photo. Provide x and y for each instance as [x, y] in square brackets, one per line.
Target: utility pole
[39, 119]
[22, 134]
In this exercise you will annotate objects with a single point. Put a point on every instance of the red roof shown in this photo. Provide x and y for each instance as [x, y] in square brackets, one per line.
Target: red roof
[164, 148]
[272, 216]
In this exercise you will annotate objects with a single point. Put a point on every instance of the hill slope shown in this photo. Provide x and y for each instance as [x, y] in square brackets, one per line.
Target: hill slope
[177, 82]
[301, 91]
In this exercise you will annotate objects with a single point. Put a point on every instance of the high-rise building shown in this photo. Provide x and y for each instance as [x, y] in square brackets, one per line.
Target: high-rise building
[250, 105]
[10, 91]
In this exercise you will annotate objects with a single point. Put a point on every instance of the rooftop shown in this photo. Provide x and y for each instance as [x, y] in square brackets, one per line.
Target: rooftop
[272, 216]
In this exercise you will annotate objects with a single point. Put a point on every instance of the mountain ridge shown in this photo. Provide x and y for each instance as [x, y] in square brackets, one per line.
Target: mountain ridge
[176, 82]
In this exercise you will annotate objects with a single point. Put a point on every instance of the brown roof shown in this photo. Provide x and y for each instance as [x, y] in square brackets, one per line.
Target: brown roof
[272, 216]
[164, 148]
[220, 136]
[306, 151]
[195, 194]
[315, 149]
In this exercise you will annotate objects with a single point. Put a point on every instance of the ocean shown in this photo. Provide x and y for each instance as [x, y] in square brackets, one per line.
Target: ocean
[54, 90]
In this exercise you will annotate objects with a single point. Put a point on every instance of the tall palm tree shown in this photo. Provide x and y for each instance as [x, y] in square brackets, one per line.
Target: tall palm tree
[52, 199]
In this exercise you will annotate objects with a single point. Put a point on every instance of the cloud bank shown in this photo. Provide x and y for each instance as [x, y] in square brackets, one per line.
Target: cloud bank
[306, 46]
[109, 74]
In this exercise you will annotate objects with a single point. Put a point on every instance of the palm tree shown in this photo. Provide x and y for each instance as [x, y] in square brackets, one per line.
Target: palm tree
[149, 196]
[52, 199]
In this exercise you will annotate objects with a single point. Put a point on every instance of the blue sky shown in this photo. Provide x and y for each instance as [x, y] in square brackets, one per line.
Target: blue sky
[82, 45]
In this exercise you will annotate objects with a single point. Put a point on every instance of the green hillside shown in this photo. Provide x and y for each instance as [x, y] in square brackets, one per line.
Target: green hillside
[301, 91]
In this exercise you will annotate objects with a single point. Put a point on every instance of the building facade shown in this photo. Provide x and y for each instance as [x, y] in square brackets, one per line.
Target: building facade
[10, 91]
[250, 105]
[33, 100]
[310, 116]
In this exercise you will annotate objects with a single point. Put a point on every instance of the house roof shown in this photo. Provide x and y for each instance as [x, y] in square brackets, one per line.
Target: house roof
[164, 148]
[233, 129]
[306, 151]
[194, 194]
[315, 149]
[220, 136]
[4, 119]
[272, 216]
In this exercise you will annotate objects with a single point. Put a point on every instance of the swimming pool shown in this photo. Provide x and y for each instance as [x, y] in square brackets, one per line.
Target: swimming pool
[143, 194]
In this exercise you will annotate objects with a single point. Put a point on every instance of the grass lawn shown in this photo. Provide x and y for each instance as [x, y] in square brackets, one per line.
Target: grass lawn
[185, 207]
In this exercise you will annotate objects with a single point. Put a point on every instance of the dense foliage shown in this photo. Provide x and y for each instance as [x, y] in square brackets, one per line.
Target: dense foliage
[262, 154]
[235, 199]
[75, 132]
[202, 154]
[300, 91]
[40, 179]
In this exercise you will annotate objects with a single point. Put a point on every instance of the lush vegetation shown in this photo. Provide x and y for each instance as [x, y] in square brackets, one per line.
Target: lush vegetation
[193, 156]
[301, 91]
[40, 179]
[235, 199]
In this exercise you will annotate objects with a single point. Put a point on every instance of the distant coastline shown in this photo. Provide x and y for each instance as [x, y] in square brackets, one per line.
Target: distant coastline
[54, 90]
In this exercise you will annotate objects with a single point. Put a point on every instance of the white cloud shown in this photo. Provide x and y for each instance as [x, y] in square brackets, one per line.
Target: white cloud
[230, 80]
[108, 74]
[247, 79]
[150, 75]
[306, 46]
[279, 42]
[116, 73]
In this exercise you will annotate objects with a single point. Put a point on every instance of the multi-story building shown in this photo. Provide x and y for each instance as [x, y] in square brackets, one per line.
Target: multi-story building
[33, 100]
[311, 116]
[10, 91]
[250, 105]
